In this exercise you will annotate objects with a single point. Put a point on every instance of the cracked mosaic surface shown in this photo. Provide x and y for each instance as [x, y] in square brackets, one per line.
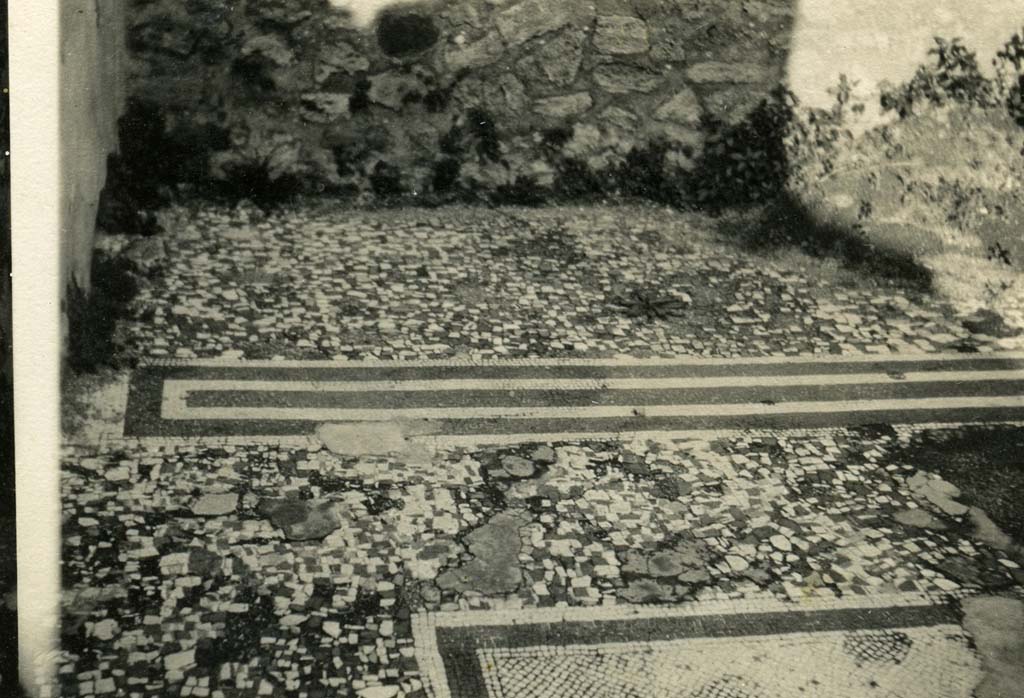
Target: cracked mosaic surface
[169, 596]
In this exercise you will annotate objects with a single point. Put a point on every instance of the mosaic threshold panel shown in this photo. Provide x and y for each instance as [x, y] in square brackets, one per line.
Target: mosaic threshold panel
[889, 645]
[554, 399]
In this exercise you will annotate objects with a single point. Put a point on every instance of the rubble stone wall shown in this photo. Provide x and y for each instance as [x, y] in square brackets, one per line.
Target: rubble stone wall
[462, 93]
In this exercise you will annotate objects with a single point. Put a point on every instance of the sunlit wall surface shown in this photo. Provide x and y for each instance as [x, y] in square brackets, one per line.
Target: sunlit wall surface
[873, 40]
[364, 11]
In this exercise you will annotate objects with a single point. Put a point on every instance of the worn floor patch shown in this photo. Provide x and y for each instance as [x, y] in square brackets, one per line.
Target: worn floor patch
[397, 437]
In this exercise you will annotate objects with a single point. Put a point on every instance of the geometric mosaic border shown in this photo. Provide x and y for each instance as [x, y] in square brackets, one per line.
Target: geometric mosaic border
[510, 401]
[450, 646]
[114, 437]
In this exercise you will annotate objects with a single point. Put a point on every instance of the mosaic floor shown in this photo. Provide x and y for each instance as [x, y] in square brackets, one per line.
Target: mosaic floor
[483, 283]
[268, 506]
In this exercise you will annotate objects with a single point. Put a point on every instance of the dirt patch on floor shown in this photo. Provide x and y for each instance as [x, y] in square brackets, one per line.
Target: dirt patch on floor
[995, 623]
[93, 406]
[983, 462]
[495, 547]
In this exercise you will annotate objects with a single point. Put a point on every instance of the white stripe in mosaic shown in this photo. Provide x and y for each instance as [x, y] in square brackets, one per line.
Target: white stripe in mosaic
[615, 361]
[763, 603]
[443, 442]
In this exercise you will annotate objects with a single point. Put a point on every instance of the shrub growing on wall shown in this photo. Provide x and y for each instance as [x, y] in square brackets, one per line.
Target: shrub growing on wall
[954, 77]
[750, 161]
[93, 314]
[153, 162]
[1009, 64]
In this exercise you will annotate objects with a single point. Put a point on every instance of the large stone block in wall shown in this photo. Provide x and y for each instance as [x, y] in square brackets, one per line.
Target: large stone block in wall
[732, 104]
[557, 61]
[683, 108]
[391, 89]
[325, 107]
[668, 46]
[586, 140]
[564, 106]
[599, 147]
[676, 135]
[340, 58]
[618, 34]
[269, 47]
[267, 60]
[620, 78]
[478, 54]
[197, 29]
[618, 118]
[505, 94]
[678, 29]
[729, 72]
[162, 31]
[531, 18]
[283, 13]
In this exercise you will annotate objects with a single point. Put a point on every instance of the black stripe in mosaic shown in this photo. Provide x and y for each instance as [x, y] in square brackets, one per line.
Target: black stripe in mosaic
[588, 398]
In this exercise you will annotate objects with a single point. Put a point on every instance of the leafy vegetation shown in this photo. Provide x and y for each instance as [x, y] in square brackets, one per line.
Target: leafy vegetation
[137, 176]
[475, 133]
[954, 77]
[258, 181]
[648, 173]
[749, 161]
[1009, 62]
[93, 315]
[161, 159]
[386, 180]
[648, 304]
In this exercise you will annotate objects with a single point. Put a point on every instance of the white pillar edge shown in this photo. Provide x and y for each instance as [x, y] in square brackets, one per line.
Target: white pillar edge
[35, 213]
